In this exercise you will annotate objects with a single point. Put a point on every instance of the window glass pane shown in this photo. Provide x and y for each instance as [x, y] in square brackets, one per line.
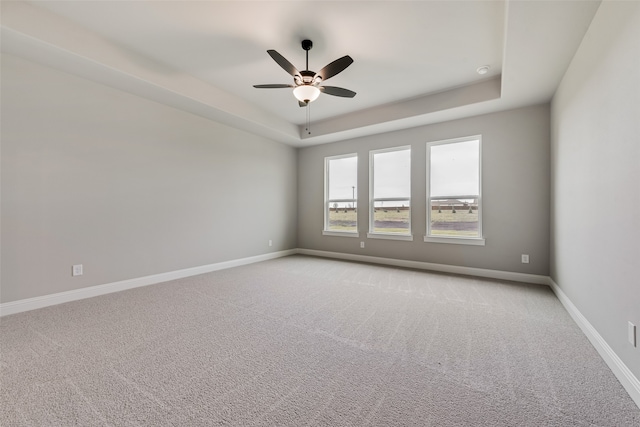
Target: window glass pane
[455, 169]
[343, 177]
[454, 206]
[341, 202]
[392, 174]
[392, 217]
[342, 217]
[454, 217]
[391, 189]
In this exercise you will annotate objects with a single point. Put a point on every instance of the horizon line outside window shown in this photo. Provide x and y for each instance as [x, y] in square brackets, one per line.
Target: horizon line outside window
[390, 193]
[340, 204]
[454, 202]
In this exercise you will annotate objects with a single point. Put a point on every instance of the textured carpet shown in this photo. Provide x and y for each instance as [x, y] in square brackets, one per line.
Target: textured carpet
[306, 341]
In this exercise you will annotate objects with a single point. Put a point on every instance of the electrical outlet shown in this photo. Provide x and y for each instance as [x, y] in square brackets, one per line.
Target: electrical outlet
[525, 259]
[361, 245]
[270, 242]
[76, 270]
[632, 334]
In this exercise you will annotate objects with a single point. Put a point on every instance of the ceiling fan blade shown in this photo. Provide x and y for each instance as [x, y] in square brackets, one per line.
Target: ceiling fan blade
[286, 65]
[337, 91]
[274, 86]
[335, 67]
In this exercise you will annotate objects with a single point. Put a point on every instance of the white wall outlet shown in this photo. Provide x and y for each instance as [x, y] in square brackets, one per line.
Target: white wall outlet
[76, 270]
[270, 242]
[361, 245]
[525, 259]
[632, 334]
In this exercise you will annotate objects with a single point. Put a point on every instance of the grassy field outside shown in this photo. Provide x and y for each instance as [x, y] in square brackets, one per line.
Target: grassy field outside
[460, 223]
[391, 220]
[343, 220]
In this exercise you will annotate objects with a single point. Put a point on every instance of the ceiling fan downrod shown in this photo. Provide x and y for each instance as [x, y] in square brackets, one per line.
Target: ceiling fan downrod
[307, 45]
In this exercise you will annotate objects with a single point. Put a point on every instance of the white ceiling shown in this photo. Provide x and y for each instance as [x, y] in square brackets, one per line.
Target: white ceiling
[415, 61]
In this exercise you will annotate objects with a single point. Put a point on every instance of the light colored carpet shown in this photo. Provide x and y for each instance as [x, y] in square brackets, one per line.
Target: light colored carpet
[306, 341]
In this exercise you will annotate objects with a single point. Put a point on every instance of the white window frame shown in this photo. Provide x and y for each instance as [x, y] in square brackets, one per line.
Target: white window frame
[327, 201]
[376, 234]
[480, 240]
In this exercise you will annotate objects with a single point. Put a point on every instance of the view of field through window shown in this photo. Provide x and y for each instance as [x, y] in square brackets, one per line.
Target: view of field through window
[343, 218]
[453, 217]
[392, 217]
[448, 218]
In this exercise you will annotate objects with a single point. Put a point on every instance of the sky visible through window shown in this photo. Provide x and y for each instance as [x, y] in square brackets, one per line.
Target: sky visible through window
[392, 174]
[343, 178]
[455, 169]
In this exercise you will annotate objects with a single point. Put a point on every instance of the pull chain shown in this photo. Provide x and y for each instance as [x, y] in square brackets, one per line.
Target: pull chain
[308, 129]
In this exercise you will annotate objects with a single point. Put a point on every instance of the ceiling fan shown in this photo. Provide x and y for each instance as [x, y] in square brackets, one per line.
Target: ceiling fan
[306, 87]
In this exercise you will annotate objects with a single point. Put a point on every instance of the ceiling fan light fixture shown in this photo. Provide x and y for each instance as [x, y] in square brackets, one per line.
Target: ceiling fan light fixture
[306, 93]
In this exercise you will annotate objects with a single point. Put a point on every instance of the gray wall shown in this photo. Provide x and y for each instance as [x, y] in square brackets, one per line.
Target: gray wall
[127, 187]
[515, 193]
[595, 152]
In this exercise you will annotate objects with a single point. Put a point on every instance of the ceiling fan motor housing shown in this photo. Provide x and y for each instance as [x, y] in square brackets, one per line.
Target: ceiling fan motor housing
[308, 77]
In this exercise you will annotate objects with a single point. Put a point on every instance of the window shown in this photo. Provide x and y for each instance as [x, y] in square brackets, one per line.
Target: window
[390, 193]
[340, 189]
[454, 203]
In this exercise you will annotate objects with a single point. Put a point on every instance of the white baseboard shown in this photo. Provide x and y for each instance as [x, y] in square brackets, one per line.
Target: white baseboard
[444, 268]
[617, 366]
[93, 291]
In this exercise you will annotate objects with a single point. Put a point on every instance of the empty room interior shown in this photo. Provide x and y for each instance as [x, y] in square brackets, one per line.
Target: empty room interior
[197, 229]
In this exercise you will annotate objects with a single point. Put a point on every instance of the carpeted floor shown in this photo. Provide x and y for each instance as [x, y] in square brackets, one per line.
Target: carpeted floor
[306, 341]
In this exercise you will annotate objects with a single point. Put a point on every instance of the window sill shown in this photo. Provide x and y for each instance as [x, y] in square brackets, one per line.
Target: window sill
[474, 241]
[389, 236]
[340, 233]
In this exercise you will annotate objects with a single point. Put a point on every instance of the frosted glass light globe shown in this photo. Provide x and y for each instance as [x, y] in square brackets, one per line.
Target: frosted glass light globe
[306, 93]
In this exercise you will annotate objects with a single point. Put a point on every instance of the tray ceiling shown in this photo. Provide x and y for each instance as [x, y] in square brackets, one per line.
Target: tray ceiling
[415, 62]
